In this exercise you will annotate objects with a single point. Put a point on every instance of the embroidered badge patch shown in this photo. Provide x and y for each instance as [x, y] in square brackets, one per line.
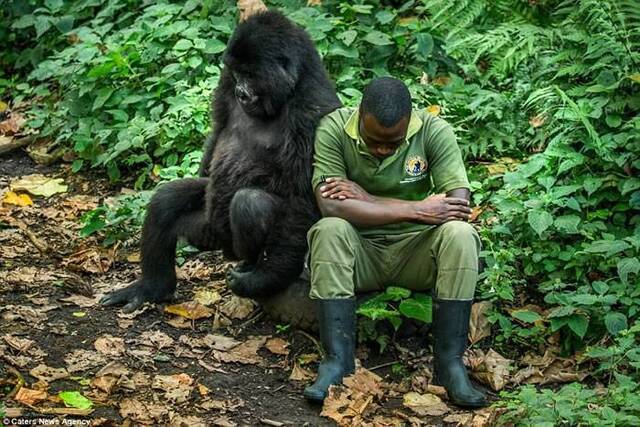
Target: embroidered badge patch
[415, 166]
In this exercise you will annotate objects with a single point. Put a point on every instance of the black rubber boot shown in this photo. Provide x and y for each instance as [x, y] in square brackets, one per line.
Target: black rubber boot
[337, 324]
[450, 330]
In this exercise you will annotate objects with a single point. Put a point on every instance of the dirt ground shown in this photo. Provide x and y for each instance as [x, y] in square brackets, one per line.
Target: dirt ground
[218, 360]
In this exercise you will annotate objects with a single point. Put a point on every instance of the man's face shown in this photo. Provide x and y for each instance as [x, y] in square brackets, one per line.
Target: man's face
[382, 141]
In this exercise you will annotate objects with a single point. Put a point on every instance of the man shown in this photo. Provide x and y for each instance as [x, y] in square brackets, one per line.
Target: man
[394, 195]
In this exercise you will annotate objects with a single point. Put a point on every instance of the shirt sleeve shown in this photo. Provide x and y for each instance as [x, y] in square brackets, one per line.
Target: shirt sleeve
[447, 168]
[328, 158]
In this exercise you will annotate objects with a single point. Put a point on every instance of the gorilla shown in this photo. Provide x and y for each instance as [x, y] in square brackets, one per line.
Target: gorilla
[253, 199]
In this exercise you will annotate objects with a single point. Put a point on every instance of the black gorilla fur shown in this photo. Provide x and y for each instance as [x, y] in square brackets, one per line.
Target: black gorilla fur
[256, 203]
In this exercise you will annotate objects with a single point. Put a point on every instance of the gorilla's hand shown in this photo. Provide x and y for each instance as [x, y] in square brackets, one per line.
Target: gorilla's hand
[246, 281]
[136, 294]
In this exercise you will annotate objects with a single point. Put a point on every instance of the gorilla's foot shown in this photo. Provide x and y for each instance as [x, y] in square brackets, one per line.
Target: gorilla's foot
[139, 292]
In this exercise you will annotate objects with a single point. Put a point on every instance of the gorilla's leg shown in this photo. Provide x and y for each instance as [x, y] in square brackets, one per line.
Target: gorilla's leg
[252, 213]
[284, 249]
[176, 210]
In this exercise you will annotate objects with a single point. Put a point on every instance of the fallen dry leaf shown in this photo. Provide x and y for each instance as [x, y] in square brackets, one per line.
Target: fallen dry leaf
[238, 308]
[559, 371]
[48, 374]
[20, 344]
[491, 368]
[192, 310]
[460, 420]
[298, 373]
[143, 412]
[177, 387]
[346, 404]
[95, 260]
[425, 404]
[245, 353]
[109, 345]
[82, 360]
[81, 300]
[39, 185]
[277, 346]
[156, 339]
[12, 198]
[195, 269]
[206, 296]
[12, 125]
[109, 376]
[479, 326]
[29, 396]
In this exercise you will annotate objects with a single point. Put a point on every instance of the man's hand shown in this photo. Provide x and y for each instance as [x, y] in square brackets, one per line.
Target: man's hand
[439, 208]
[341, 189]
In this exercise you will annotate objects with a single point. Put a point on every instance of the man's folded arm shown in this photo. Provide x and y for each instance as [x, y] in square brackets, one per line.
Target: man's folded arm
[362, 213]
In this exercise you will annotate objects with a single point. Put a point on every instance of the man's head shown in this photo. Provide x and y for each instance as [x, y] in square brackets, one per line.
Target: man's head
[385, 111]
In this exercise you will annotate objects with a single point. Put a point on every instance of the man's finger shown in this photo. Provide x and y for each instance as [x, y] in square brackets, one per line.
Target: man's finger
[456, 201]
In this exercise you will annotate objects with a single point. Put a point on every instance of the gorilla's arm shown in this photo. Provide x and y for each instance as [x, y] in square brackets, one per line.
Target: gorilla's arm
[222, 98]
[207, 155]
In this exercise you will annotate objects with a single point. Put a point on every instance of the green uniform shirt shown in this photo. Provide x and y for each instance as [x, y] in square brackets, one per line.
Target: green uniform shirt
[429, 162]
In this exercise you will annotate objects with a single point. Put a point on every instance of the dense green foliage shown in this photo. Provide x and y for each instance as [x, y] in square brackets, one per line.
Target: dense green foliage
[543, 94]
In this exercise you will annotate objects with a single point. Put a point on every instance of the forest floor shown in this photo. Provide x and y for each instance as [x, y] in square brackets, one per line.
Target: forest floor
[209, 359]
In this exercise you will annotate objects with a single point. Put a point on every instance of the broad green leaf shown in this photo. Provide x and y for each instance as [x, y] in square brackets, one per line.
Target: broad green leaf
[348, 36]
[615, 322]
[101, 97]
[385, 16]
[600, 287]
[613, 120]
[24, 21]
[567, 223]
[394, 293]
[214, 46]
[578, 324]
[377, 38]
[629, 185]
[171, 69]
[526, 316]
[628, 266]
[337, 50]
[561, 311]
[416, 309]
[75, 399]
[585, 299]
[183, 44]
[194, 61]
[425, 45]
[540, 220]
[591, 184]
[609, 247]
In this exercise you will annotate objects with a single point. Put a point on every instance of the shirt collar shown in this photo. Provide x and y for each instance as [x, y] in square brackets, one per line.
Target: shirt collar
[351, 127]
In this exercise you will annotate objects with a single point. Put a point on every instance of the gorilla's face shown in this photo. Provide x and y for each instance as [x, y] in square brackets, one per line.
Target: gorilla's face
[264, 68]
[262, 85]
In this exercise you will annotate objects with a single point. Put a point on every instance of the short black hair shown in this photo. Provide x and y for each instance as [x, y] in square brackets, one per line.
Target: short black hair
[388, 99]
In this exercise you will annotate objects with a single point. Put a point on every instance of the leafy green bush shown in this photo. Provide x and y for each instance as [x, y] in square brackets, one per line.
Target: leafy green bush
[393, 305]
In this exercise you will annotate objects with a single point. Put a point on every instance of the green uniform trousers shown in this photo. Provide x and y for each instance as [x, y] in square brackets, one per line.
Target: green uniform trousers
[343, 262]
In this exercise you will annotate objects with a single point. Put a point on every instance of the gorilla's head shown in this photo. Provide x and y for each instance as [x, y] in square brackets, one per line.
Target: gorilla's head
[264, 57]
